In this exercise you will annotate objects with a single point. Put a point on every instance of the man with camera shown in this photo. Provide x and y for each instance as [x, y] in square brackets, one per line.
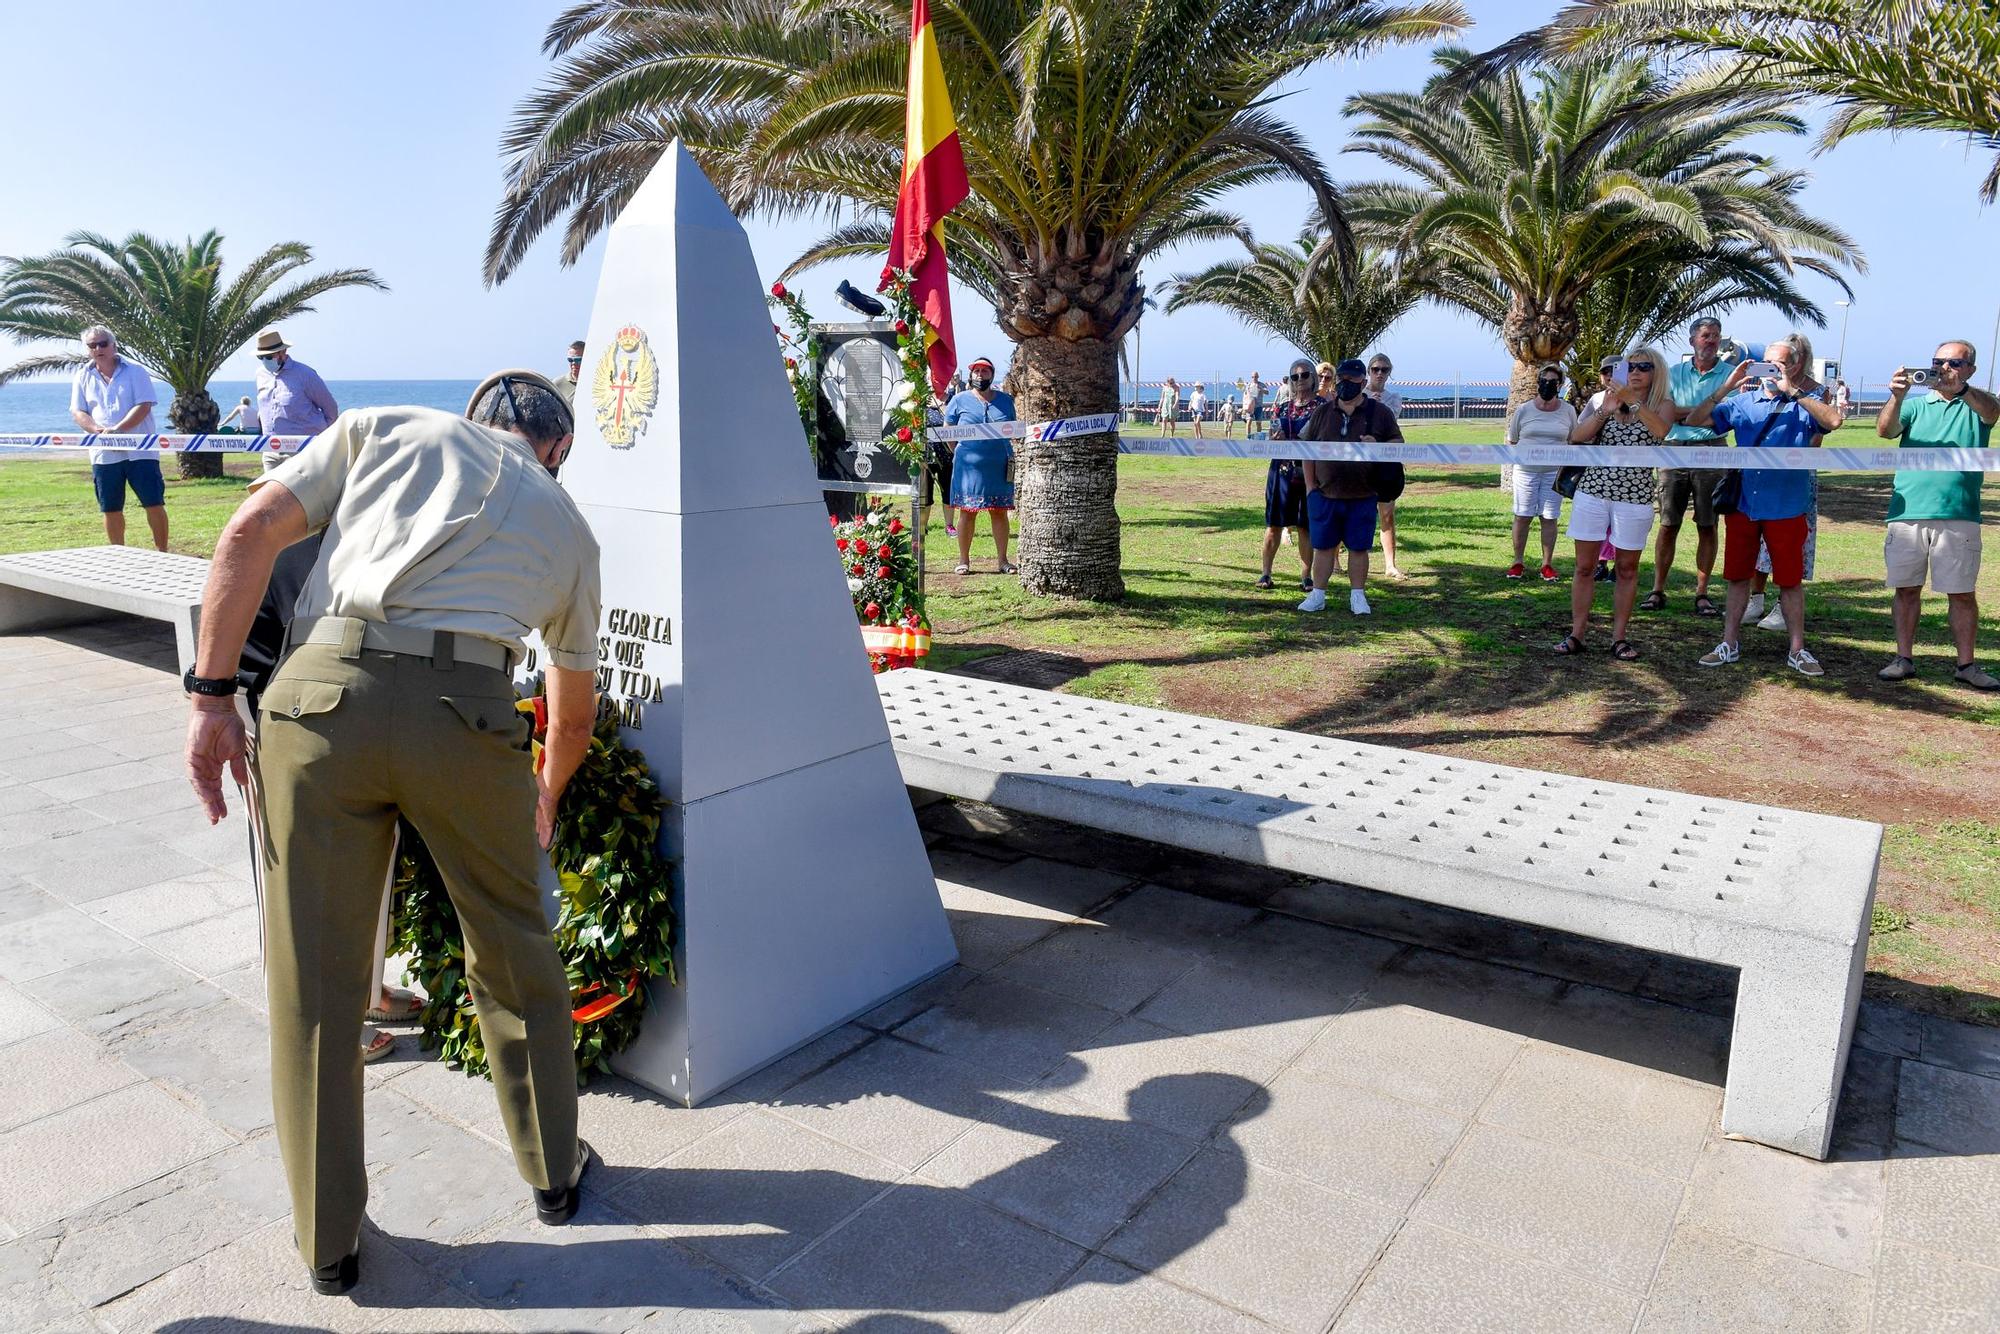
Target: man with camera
[1934, 516]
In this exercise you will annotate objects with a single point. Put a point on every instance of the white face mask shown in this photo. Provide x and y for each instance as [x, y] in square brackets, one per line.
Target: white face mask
[268, 363]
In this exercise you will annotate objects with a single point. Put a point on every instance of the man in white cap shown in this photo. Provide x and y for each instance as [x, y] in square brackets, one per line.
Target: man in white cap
[291, 398]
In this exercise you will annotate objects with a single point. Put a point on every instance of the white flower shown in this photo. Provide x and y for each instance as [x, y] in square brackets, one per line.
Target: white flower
[906, 395]
[874, 516]
[853, 585]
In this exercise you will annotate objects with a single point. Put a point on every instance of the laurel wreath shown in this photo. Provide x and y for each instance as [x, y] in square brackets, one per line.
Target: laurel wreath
[805, 357]
[615, 929]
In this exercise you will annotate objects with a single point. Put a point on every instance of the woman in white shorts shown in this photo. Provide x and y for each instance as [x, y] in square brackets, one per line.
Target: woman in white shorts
[1544, 419]
[1617, 502]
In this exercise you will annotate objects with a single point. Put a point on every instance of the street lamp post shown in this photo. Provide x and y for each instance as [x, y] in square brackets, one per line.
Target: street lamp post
[1846, 308]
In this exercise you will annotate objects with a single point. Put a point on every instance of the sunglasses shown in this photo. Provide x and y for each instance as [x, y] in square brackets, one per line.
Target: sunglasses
[1378, 370]
[1301, 379]
[1937, 363]
[102, 342]
[1640, 365]
[576, 361]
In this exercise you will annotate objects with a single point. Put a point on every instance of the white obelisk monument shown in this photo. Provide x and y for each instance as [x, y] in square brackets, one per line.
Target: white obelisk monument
[729, 641]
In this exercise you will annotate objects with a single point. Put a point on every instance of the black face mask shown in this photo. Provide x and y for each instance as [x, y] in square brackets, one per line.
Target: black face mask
[982, 382]
[1548, 389]
[1348, 391]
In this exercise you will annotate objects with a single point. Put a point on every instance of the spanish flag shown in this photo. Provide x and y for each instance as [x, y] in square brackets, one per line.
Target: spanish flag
[933, 184]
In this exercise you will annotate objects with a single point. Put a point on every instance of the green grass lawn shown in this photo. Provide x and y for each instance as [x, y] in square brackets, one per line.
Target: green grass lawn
[1456, 659]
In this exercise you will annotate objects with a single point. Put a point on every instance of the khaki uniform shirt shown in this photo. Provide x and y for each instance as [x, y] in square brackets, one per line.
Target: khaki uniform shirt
[437, 523]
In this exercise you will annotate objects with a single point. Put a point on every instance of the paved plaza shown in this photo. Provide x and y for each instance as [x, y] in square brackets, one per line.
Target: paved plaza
[1158, 1094]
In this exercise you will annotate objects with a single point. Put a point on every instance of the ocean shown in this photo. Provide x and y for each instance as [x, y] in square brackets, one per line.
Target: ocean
[43, 405]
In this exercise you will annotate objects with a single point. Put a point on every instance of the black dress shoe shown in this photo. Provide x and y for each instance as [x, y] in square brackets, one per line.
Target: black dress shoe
[338, 1278]
[557, 1206]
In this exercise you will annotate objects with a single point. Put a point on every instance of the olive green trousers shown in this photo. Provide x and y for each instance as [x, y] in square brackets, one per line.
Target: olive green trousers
[347, 741]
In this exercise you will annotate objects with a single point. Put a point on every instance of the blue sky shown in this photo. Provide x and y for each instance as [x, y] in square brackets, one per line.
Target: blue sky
[371, 133]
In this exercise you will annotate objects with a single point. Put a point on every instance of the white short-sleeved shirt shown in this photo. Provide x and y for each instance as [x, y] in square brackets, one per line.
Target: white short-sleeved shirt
[107, 402]
[440, 524]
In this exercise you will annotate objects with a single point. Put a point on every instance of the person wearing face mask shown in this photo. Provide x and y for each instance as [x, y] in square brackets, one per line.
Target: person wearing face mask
[979, 468]
[1341, 497]
[446, 539]
[1545, 419]
[1285, 482]
[291, 398]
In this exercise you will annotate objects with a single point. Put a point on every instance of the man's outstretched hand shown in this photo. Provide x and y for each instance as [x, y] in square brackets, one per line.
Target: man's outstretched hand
[215, 738]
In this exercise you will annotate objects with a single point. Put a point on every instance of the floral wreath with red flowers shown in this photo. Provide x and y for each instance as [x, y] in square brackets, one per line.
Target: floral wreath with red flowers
[881, 568]
[615, 926]
[804, 351]
[908, 411]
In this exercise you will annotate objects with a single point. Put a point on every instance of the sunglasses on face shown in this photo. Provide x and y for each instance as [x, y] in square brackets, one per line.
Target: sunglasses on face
[1303, 378]
[102, 342]
[1641, 365]
[1937, 363]
[1378, 370]
[576, 361]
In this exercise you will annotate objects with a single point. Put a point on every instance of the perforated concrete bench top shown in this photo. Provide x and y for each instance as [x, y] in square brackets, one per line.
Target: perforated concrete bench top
[1667, 871]
[159, 584]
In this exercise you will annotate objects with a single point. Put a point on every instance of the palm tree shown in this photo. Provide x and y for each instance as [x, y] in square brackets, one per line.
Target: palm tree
[1886, 64]
[168, 306]
[1096, 133]
[1320, 314]
[1531, 191]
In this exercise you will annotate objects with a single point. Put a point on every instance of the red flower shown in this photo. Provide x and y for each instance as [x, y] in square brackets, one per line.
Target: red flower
[895, 526]
[885, 551]
[902, 326]
[872, 610]
[840, 544]
[790, 364]
[778, 291]
[883, 572]
[903, 434]
[833, 519]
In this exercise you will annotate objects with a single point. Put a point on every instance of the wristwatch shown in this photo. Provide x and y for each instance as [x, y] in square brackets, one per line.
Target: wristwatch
[208, 685]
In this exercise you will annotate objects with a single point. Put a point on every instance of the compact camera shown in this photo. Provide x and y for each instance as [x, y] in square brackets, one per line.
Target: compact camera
[1918, 374]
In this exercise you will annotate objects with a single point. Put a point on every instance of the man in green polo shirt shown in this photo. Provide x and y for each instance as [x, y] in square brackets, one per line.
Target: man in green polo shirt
[1934, 516]
[1692, 383]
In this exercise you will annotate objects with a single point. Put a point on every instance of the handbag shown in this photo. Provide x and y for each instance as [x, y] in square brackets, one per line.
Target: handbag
[1727, 495]
[1566, 481]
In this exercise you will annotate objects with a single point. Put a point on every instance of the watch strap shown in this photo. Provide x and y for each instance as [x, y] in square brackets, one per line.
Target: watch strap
[208, 685]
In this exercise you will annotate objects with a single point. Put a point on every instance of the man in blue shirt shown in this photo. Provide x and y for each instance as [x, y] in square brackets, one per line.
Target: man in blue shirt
[115, 396]
[291, 398]
[1690, 382]
[1790, 412]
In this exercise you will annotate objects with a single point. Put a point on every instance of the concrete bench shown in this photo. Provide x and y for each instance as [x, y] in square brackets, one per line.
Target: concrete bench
[40, 590]
[1781, 896]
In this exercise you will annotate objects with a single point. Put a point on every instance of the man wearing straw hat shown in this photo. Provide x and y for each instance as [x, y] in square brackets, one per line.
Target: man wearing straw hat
[445, 541]
[291, 398]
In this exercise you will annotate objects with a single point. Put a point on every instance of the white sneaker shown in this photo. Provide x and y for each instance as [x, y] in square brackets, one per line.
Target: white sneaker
[1721, 655]
[1775, 621]
[1804, 663]
[1357, 602]
[1315, 601]
[1754, 608]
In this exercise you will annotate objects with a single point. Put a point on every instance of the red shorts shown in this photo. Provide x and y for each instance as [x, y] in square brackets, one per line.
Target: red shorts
[1785, 537]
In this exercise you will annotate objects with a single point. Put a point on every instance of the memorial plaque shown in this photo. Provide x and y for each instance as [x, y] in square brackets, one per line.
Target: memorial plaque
[729, 646]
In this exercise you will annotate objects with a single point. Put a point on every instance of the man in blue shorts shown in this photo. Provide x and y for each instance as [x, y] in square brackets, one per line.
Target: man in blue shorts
[115, 396]
[1341, 499]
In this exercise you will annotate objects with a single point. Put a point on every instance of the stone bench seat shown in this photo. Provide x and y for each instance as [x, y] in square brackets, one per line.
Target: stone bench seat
[41, 590]
[1782, 896]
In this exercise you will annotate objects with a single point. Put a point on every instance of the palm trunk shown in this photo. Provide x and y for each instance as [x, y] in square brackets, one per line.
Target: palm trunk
[193, 413]
[1532, 337]
[1068, 489]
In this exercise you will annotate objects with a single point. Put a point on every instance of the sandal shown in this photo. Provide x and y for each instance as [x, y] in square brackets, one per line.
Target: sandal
[1655, 601]
[404, 1006]
[1625, 650]
[1264, 581]
[375, 1045]
[1569, 647]
[1704, 605]
[1005, 568]
[961, 569]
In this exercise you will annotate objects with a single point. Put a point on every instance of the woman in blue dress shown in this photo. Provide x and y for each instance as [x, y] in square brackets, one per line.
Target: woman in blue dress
[979, 469]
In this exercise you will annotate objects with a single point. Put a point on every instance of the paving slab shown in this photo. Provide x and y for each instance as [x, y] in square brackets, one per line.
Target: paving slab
[756, 1192]
[34, 947]
[1109, 1074]
[213, 945]
[1015, 1031]
[1412, 1053]
[1710, 1282]
[1097, 964]
[1432, 1279]
[97, 1149]
[431, 1179]
[1966, 1047]
[1051, 1161]
[1283, 1249]
[1580, 1100]
[1590, 1216]
[1110, 1298]
[217, 1059]
[1922, 1292]
[1828, 1213]
[1947, 1110]
[928, 1254]
[172, 903]
[1347, 1138]
[136, 991]
[1942, 1203]
[894, 1100]
[57, 1069]
[20, 1017]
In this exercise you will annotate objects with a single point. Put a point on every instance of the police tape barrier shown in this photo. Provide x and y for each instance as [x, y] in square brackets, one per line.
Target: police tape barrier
[1829, 458]
[161, 444]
